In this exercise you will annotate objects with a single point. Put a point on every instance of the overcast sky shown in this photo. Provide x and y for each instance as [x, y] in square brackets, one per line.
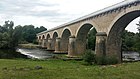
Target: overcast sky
[51, 13]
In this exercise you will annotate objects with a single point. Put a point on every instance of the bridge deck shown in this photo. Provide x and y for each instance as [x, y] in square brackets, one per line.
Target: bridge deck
[110, 8]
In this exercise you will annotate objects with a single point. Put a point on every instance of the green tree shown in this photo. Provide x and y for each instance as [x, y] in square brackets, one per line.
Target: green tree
[92, 39]
[128, 39]
[40, 29]
[27, 33]
[137, 45]
[10, 37]
[138, 26]
[7, 40]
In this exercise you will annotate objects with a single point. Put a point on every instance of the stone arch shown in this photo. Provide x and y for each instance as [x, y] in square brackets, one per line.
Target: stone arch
[43, 41]
[43, 36]
[121, 14]
[86, 23]
[48, 36]
[81, 37]
[65, 40]
[66, 28]
[39, 40]
[39, 37]
[46, 40]
[55, 35]
[113, 44]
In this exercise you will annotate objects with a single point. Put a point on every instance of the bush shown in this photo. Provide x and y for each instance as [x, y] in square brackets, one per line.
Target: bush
[104, 60]
[89, 57]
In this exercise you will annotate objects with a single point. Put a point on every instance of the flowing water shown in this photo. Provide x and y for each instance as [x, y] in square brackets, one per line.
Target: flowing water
[43, 54]
[131, 55]
[35, 53]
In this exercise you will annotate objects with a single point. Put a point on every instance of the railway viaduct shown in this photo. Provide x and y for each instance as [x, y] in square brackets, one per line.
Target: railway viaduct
[109, 23]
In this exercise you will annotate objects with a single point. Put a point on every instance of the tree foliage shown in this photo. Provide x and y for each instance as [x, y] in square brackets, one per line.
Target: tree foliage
[10, 37]
[29, 33]
[92, 39]
[7, 36]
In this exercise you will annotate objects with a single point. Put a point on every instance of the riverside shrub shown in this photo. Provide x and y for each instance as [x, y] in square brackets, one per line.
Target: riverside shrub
[89, 57]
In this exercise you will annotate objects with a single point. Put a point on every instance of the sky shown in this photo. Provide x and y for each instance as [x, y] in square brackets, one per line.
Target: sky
[51, 13]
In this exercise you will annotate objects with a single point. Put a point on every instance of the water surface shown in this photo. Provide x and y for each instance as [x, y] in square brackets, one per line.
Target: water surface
[43, 54]
[36, 53]
[130, 55]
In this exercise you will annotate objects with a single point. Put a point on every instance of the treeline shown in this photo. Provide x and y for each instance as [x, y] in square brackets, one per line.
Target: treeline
[11, 36]
[131, 41]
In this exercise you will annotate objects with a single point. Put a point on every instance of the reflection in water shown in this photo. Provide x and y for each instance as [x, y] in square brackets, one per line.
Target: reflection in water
[35, 53]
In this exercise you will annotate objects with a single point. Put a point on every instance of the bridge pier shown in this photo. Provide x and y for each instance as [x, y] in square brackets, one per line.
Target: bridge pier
[39, 42]
[114, 48]
[49, 46]
[57, 45]
[43, 45]
[100, 49]
[71, 46]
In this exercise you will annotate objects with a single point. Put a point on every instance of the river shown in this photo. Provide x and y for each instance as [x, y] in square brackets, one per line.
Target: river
[43, 54]
[130, 56]
[35, 53]
[25, 53]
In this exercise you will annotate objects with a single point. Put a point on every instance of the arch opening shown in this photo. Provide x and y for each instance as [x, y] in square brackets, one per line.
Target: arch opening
[114, 40]
[55, 35]
[43, 37]
[85, 38]
[65, 40]
[43, 41]
[39, 37]
[39, 40]
[47, 37]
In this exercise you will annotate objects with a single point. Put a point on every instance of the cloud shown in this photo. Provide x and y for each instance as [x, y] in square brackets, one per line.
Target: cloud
[26, 7]
[49, 13]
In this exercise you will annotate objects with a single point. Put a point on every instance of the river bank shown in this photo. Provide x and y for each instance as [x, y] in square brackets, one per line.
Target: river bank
[28, 46]
[58, 69]
[62, 69]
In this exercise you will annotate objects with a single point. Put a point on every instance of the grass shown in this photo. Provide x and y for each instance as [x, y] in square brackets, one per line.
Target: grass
[59, 69]
[30, 45]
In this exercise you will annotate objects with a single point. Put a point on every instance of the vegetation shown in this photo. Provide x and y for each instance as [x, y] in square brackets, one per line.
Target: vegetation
[10, 37]
[58, 69]
[92, 39]
[10, 54]
[130, 40]
[28, 46]
[90, 58]
[28, 33]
